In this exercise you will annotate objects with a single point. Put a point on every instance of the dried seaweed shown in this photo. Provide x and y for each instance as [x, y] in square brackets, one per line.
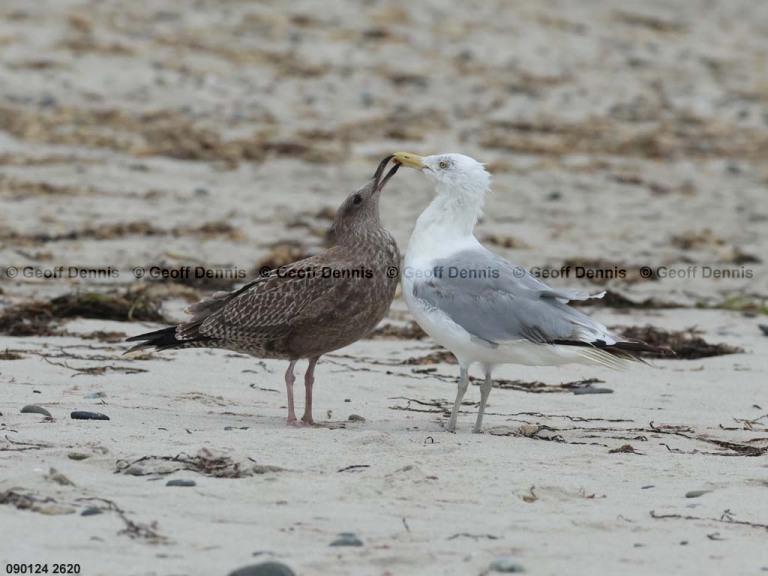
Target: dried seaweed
[686, 344]
[204, 462]
[40, 318]
[411, 331]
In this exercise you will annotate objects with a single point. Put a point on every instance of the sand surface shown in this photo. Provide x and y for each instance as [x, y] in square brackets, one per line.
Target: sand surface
[224, 133]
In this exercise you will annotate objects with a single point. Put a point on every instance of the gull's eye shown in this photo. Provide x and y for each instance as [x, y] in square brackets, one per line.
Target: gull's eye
[443, 164]
[357, 199]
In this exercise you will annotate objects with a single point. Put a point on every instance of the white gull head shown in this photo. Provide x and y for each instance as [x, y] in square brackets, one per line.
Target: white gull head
[461, 184]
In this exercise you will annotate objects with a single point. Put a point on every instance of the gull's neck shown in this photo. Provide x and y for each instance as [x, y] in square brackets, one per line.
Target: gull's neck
[447, 222]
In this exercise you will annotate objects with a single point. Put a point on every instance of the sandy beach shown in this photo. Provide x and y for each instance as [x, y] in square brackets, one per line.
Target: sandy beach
[628, 145]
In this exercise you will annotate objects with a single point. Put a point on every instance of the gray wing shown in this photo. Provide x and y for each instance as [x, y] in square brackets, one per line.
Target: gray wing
[496, 301]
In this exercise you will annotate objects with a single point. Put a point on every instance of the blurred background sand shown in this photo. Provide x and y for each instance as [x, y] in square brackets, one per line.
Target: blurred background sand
[225, 133]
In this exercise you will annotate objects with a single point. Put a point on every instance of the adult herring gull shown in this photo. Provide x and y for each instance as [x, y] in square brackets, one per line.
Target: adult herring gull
[482, 307]
[307, 308]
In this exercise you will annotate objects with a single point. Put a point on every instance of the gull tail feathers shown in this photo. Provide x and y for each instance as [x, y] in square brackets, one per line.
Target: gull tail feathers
[163, 339]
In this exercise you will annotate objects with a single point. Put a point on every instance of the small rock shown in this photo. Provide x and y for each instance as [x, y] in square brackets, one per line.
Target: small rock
[764, 328]
[506, 565]
[346, 539]
[32, 409]
[264, 569]
[696, 493]
[356, 418]
[181, 482]
[95, 395]
[77, 456]
[83, 415]
[592, 390]
[201, 192]
[347, 400]
[91, 511]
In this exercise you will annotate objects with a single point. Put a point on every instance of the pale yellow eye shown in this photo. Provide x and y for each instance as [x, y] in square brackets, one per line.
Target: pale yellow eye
[443, 165]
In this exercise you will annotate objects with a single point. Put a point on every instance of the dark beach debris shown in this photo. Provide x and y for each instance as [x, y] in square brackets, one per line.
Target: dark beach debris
[411, 331]
[198, 276]
[474, 537]
[132, 529]
[32, 409]
[346, 539]
[727, 517]
[505, 241]
[624, 449]
[763, 329]
[104, 336]
[10, 355]
[28, 501]
[16, 446]
[181, 482]
[356, 418]
[126, 229]
[91, 511]
[598, 271]
[40, 318]
[204, 462]
[356, 467]
[686, 344]
[506, 566]
[439, 357]
[264, 569]
[85, 415]
[615, 300]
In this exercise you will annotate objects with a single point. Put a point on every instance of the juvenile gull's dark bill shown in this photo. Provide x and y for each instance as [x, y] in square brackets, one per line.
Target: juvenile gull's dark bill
[482, 307]
[307, 308]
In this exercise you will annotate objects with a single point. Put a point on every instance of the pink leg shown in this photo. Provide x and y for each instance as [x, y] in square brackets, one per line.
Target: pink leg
[309, 380]
[289, 380]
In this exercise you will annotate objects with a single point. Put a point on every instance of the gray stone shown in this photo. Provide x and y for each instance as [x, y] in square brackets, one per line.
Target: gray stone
[83, 415]
[32, 409]
[346, 539]
[264, 569]
[91, 511]
[696, 493]
[592, 390]
[356, 418]
[181, 482]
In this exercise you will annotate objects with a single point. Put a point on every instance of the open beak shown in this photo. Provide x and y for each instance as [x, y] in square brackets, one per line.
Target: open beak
[379, 183]
[408, 159]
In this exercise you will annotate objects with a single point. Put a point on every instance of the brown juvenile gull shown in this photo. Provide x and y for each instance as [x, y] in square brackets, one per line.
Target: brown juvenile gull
[307, 308]
[482, 307]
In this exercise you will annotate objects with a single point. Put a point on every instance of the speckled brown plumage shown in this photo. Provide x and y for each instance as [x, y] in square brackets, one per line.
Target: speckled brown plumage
[308, 308]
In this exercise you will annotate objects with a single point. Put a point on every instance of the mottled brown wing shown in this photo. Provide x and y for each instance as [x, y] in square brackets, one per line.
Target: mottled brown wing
[269, 308]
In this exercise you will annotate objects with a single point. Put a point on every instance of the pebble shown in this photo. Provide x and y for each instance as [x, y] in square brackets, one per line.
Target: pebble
[764, 328]
[181, 482]
[77, 456]
[346, 539]
[264, 569]
[592, 390]
[201, 192]
[506, 565]
[696, 493]
[356, 418]
[95, 395]
[91, 511]
[32, 409]
[83, 415]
